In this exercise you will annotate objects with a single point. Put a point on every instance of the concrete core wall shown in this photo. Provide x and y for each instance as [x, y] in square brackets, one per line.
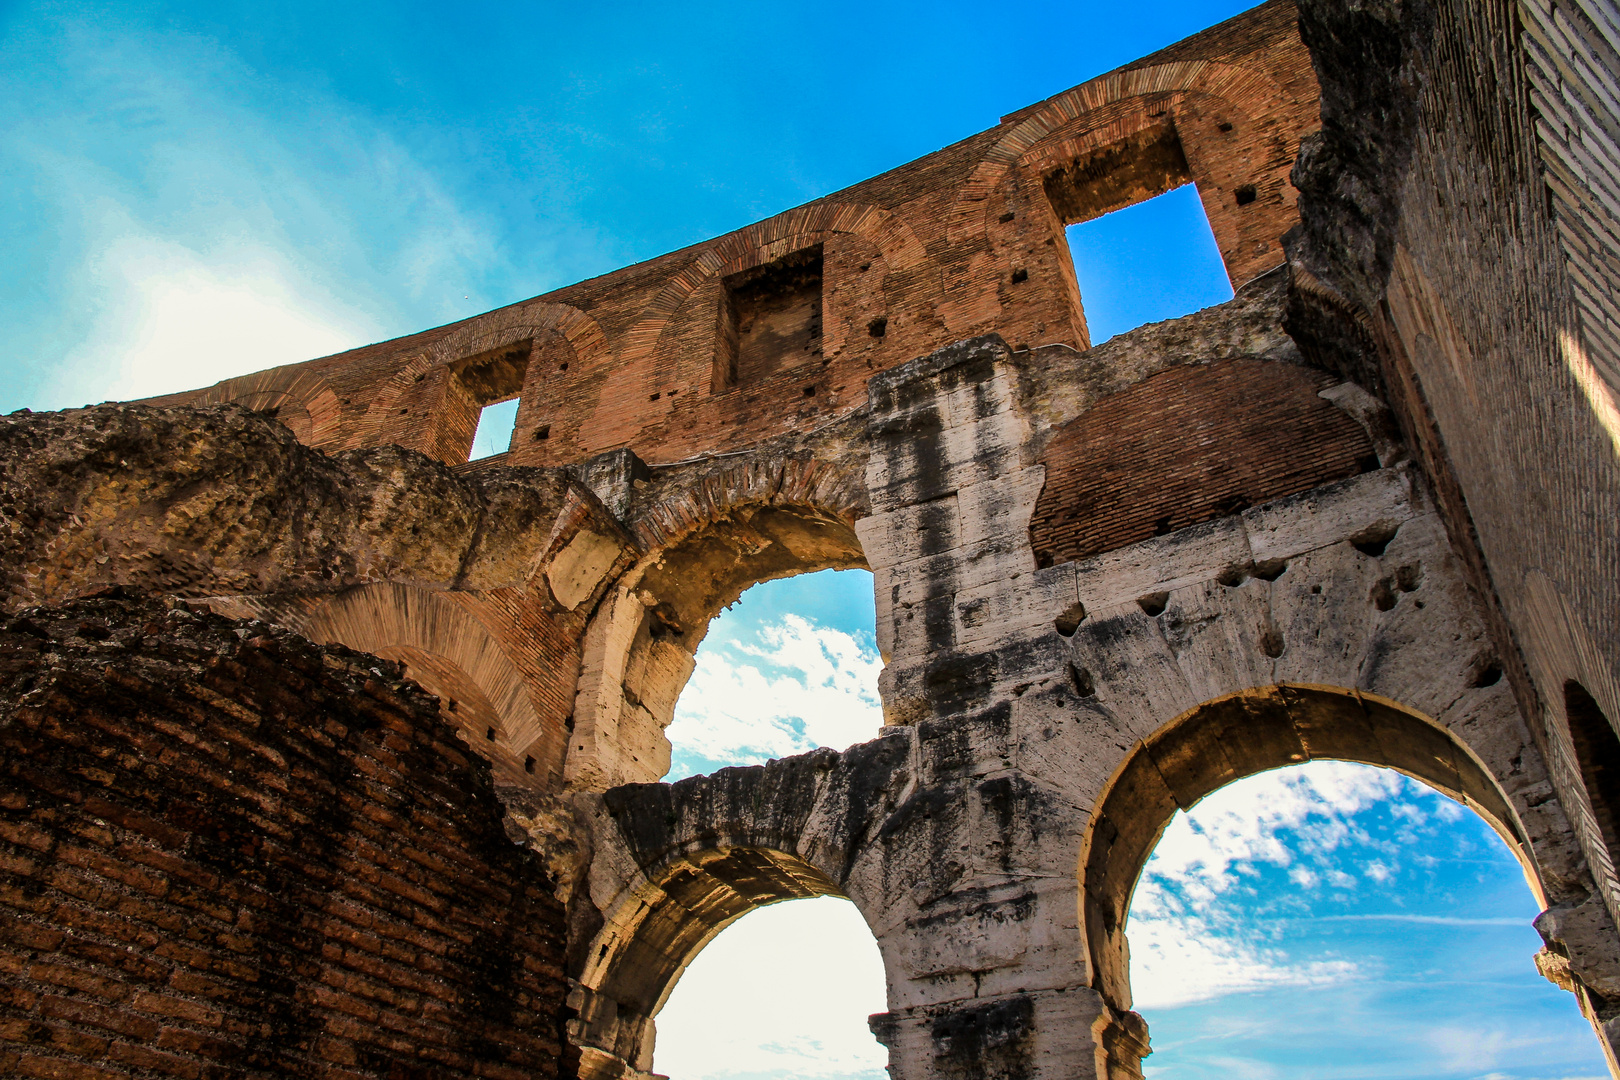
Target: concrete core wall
[1362, 511]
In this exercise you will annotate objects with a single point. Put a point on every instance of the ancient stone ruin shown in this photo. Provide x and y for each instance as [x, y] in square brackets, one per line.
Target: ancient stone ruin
[327, 752]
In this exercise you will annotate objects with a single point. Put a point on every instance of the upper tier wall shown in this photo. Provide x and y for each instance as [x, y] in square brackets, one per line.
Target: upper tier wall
[777, 327]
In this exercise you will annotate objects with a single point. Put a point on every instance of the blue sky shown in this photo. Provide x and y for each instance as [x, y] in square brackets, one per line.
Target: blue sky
[194, 191]
[199, 190]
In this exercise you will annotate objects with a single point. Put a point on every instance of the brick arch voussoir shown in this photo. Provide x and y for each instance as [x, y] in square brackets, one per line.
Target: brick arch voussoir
[763, 242]
[498, 329]
[297, 386]
[384, 617]
[1228, 82]
[751, 481]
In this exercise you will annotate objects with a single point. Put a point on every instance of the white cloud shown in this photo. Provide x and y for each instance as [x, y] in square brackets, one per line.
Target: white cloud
[177, 320]
[801, 686]
[1179, 961]
[204, 227]
[1193, 934]
[783, 992]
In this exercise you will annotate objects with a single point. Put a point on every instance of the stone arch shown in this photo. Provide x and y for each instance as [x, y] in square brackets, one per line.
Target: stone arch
[1227, 82]
[729, 527]
[764, 242]
[677, 864]
[297, 397]
[452, 654]
[500, 329]
[1239, 735]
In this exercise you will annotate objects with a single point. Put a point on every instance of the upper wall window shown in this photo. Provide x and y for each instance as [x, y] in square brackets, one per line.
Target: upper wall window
[770, 319]
[483, 407]
[1143, 250]
[1151, 261]
[495, 425]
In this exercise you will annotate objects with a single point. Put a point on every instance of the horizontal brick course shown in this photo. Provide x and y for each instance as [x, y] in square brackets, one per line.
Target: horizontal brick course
[1190, 444]
[297, 884]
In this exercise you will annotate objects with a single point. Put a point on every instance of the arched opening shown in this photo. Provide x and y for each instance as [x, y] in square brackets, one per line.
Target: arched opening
[1331, 912]
[662, 925]
[1240, 736]
[786, 990]
[640, 649]
[790, 666]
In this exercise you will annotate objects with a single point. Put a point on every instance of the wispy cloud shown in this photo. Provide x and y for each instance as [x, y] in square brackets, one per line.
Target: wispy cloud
[790, 687]
[204, 227]
[1194, 930]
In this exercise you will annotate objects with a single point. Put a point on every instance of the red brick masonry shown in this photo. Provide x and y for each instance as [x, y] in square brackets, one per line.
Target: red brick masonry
[225, 852]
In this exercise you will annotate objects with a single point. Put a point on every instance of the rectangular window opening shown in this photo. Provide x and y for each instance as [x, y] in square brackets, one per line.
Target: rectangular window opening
[769, 320]
[495, 426]
[490, 383]
[1142, 246]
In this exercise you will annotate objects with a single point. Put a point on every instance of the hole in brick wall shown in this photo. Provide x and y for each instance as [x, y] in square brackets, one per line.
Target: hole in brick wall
[1382, 595]
[1154, 260]
[878, 326]
[1271, 642]
[1008, 216]
[654, 397]
[1372, 541]
[1597, 755]
[1080, 679]
[769, 319]
[1232, 576]
[1070, 620]
[528, 764]
[809, 391]
[494, 432]
[1223, 127]
[1152, 604]
[489, 734]
[1020, 276]
[542, 433]
[563, 366]
[1245, 195]
[1270, 569]
[1489, 673]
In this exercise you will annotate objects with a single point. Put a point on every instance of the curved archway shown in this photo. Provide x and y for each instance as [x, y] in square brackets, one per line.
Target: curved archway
[300, 399]
[708, 543]
[451, 654]
[1240, 735]
[676, 864]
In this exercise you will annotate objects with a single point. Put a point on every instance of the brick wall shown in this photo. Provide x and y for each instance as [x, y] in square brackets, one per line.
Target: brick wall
[960, 243]
[225, 852]
[1190, 444]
